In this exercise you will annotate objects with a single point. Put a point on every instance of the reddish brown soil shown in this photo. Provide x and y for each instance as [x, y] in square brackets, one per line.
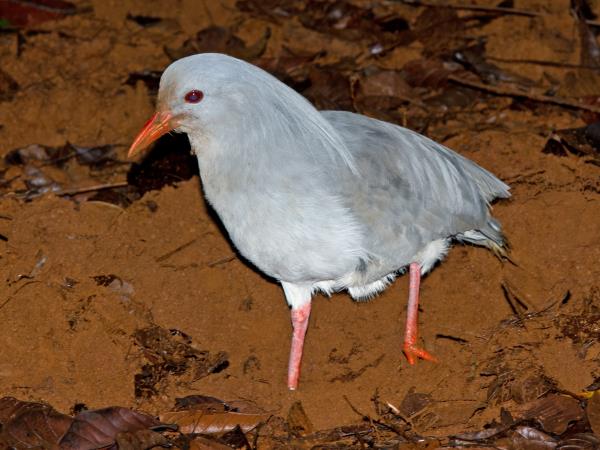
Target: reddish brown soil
[66, 339]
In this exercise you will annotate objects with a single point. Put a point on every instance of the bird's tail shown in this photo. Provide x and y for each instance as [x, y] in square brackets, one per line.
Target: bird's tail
[490, 236]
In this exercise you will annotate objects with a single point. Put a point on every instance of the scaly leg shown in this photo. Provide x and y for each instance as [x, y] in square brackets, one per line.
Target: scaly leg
[410, 349]
[299, 299]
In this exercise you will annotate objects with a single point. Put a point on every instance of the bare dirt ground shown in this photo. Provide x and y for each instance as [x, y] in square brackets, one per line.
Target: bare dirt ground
[85, 269]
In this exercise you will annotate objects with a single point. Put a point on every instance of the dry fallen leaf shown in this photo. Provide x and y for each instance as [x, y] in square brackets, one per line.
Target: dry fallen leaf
[210, 423]
[554, 412]
[29, 424]
[99, 428]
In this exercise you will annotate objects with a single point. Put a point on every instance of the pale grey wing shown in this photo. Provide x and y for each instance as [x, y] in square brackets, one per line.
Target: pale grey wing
[411, 190]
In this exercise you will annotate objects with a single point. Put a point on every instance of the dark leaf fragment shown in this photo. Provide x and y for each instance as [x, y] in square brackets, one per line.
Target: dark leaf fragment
[584, 142]
[8, 86]
[593, 412]
[171, 352]
[25, 13]
[151, 78]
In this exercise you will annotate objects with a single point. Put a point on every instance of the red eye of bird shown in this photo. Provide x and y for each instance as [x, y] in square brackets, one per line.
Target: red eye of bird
[194, 96]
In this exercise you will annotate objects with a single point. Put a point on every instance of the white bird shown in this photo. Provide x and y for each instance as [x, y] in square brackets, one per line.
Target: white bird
[321, 201]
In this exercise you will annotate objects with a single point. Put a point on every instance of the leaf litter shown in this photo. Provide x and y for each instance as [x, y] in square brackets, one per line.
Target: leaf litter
[467, 75]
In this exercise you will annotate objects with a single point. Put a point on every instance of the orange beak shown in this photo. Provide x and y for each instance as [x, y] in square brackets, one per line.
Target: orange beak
[159, 124]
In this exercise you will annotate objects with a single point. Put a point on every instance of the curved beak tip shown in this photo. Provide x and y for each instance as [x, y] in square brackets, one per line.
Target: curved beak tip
[158, 125]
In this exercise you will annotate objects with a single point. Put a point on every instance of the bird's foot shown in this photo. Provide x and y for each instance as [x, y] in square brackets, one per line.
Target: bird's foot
[412, 353]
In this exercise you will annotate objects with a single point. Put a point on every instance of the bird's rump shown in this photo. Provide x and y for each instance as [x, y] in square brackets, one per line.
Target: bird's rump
[411, 191]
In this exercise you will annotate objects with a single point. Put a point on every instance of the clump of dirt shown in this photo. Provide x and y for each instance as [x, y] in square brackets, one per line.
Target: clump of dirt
[96, 251]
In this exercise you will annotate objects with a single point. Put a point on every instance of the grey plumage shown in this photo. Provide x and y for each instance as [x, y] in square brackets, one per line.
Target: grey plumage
[333, 200]
[322, 200]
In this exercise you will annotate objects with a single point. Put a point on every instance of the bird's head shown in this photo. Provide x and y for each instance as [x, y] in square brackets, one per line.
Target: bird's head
[196, 94]
[218, 98]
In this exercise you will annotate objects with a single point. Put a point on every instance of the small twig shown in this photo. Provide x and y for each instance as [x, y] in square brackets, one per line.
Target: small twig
[540, 62]
[218, 262]
[11, 296]
[172, 252]
[492, 9]
[514, 93]
[97, 187]
[514, 302]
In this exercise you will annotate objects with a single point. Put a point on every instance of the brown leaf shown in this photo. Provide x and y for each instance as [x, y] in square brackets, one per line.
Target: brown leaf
[554, 412]
[414, 402]
[391, 83]
[209, 423]
[440, 30]
[428, 72]
[98, 428]
[29, 424]
[329, 89]
[291, 67]
[220, 40]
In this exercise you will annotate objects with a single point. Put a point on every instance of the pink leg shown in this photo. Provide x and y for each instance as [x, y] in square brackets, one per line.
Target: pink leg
[300, 324]
[411, 350]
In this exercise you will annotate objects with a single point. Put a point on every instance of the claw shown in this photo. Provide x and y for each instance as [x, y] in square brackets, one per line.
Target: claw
[413, 353]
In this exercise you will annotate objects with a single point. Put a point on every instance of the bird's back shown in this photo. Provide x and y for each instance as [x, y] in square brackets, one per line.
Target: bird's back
[410, 191]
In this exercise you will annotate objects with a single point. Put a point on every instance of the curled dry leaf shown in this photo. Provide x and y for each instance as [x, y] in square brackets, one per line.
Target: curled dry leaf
[29, 424]
[98, 428]
[553, 412]
[206, 423]
[527, 438]
[209, 415]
